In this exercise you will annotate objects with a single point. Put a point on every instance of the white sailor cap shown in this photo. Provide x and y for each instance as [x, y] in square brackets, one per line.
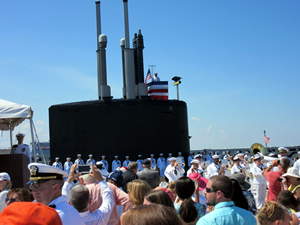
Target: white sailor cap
[103, 156]
[151, 154]
[161, 154]
[283, 149]
[139, 155]
[236, 158]
[272, 154]
[195, 161]
[40, 173]
[257, 156]
[90, 155]
[57, 158]
[99, 163]
[237, 152]
[246, 152]
[79, 155]
[116, 156]
[126, 156]
[4, 176]
[179, 153]
[197, 156]
[215, 157]
[240, 154]
[68, 158]
[172, 159]
[20, 135]
[170, 154]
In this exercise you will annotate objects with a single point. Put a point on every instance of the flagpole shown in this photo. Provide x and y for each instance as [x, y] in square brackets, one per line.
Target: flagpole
[265, 140]
[152, 69]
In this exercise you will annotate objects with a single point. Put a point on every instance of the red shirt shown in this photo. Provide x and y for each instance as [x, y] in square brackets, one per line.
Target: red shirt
[274, 184]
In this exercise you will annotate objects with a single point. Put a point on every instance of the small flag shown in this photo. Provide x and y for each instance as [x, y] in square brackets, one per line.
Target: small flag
[267, 140]
[148, 77]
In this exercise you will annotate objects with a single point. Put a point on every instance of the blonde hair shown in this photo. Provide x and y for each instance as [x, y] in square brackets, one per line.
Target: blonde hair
[271, 212]
[138, 189]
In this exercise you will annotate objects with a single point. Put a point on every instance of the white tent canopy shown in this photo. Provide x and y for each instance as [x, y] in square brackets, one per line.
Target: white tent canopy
[13, 114]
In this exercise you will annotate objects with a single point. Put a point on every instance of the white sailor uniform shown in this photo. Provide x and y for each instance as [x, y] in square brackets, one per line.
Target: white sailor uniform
[67, 166]
[209, 158]
[259, 185]
[191, 170]
[115, 165]
[213, 169]
[126, 163]
[153, 163]
[89, 161]
[139, 162]
[105, 164]
[67, 213]
[79, 162]
[236, 169]
[57, 165]
[190, 158]
[173, 173]
[161, 165]
[22, 149]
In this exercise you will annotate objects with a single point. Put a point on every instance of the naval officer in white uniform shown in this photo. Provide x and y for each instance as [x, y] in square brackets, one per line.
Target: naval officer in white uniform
[174, 171]
[21, 148]
[90, 160]
[215, 168]
[46, 184]
[79, 160]
[57, 164]
[68, 164]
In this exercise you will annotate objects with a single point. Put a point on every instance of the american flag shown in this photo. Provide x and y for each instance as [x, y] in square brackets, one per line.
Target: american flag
[267, 140]
[148, 77]
[158, 90]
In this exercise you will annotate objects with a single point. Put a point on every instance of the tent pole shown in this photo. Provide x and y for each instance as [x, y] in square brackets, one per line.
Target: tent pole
[32, 140]
[10, 132]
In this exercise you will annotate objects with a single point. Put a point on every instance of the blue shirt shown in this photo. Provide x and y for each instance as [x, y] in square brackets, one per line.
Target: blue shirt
[226, 213]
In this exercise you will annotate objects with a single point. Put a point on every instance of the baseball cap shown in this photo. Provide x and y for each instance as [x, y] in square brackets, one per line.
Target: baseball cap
[146, 162]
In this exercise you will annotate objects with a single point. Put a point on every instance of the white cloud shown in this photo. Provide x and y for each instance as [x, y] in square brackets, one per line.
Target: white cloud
[195, 119]
[209, 128]
[39, 122]
[221, 131]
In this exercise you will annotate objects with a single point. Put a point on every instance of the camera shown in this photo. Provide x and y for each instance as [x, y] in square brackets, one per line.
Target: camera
[279, 179]
[83, 169]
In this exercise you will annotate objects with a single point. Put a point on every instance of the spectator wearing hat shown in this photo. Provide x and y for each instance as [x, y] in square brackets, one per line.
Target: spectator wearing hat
[130, 174]
[168, 159]
[115, 164]
[161, 164]
[57, 164]
[139, 162]
[79, 160]
[237, 168]
[173, 171]
[116, 178]
[46, 184]
[101, 168]
[273, 176]
[190, 158]
[209, 157]
[5, 185]
[80, 199]
[215, 168]
[105, 163]
[194, 167]
[148, 175]
[68, 164]
[241, 179]
[126, 161]
[259, 183]
[90, 160]
[202, 182]
[21, 148]
[28, 213]
[218, 193]
[291, 179]
[153, 162]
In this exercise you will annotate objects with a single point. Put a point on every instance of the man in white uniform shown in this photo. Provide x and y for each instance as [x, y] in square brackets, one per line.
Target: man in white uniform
[46, 184]
[68, 164]
[105, 163]
[173, 171]
[139, 162]
[79, 161]
[90, 160]
[21, 148]
[126, 162]
[259, 184]
[153, 161]
[116, 163]
[161, 165]
[215, 168]
[57, 163]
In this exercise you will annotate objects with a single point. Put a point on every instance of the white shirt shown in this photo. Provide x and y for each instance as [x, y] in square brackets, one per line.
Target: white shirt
[105, 164]
[79, 162]
[57, 165]
[67, 213]
[101, 215]
[115, 165]
[297, 164]
[3, 195]
[67, 166]
[258, 177]
[153, 163]
[126, 163]
[213, 169]
[236, 169]
[161, 163]
[139, 162]
[89, 161]
[171, 174]
[191, 170]
[22, 149]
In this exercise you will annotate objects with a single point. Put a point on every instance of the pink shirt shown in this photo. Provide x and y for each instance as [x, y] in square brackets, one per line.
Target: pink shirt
[120, 197]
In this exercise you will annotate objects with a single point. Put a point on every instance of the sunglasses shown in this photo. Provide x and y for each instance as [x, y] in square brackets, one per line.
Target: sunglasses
[208, 190]
[11, 200]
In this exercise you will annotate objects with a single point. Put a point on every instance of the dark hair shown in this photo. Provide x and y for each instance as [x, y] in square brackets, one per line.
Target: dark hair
[185, 187]
[159, 197]
[151, 214]
[188, 212]
[24, 194]
[222, 183]
[287, 199]
[238, 197]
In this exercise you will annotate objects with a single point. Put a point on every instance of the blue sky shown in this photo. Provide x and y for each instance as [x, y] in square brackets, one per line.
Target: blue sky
[238, 59]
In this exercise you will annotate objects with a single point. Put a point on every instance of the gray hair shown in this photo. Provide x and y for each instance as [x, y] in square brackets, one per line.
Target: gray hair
[87, 179]
[132, 165]
[79, 197]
